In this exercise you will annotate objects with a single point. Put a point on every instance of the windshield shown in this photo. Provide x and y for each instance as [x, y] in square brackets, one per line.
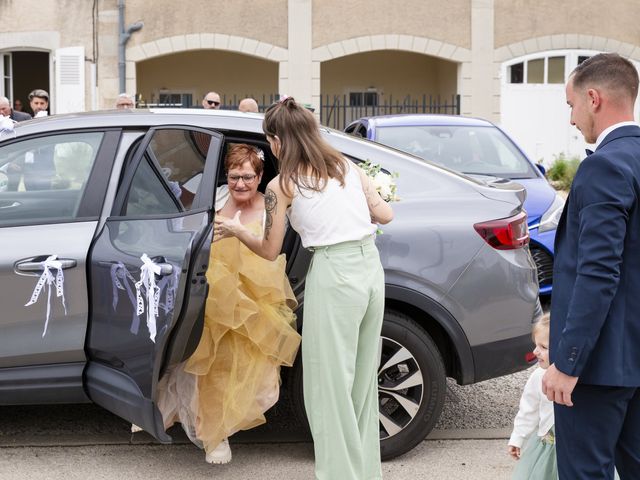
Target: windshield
[470, 150]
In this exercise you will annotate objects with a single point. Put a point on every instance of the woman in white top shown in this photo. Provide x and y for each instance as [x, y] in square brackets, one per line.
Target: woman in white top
[333, 205]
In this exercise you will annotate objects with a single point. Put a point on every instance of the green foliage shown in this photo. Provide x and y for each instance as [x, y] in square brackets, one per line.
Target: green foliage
[562, 171]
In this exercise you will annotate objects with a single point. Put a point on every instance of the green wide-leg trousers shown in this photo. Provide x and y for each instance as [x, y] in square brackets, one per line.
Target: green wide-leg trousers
[343, 310]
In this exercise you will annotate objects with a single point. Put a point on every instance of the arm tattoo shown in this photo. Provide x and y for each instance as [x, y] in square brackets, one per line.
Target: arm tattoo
[270, 206]
[373, 199]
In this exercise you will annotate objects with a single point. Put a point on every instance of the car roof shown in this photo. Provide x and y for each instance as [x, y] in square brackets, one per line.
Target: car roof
[220, 119]
[426, 119]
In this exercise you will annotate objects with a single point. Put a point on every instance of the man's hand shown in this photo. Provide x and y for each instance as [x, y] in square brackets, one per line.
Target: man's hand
[558, 386]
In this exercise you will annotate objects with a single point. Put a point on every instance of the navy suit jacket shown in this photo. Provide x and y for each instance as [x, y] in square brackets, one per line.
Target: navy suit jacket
[595, 308]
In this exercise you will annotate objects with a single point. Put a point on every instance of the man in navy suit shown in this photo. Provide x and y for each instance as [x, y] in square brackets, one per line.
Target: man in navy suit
[594, 378]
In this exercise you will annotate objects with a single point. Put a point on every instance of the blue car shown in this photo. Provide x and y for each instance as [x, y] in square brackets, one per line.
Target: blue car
[477, 148]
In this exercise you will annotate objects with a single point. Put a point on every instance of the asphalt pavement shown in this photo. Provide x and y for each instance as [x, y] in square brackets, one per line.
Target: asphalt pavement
[434, 459]
[67, 442]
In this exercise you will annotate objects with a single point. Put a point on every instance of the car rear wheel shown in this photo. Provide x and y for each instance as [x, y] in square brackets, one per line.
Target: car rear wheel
[411, 385]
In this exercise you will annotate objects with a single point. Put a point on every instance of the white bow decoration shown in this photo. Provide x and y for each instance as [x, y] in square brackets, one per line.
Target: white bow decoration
[7, 125]
[148, 272]
[121, 279]
[48, 278]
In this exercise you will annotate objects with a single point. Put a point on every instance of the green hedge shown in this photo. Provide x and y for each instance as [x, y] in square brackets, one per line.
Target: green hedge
[562, 171]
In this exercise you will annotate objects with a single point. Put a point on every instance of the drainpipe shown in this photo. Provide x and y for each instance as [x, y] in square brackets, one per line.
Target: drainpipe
[122, 42]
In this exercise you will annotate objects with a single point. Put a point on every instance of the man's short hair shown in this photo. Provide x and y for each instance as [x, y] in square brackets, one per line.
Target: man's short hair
[608, 70]
[125, 100]
[38, 92]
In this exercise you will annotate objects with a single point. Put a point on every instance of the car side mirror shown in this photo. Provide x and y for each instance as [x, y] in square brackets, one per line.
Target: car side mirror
[541, 168]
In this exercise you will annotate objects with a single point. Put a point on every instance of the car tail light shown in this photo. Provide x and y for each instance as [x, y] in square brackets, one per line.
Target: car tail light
[506, 233]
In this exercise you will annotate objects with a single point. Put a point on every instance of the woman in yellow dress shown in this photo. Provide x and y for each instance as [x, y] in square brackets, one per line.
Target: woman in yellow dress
[233, 376]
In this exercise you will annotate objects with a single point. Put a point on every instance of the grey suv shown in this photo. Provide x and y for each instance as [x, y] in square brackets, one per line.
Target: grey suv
[105, 220]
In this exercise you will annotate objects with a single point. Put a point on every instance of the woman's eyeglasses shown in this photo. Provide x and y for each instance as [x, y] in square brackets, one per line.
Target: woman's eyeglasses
[247, 179]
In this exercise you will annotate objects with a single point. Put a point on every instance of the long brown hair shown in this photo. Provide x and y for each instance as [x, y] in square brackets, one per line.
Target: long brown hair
[305, 158]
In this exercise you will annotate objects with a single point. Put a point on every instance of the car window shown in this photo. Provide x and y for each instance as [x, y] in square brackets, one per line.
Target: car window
[43, 179]
[169, 175]
[467, 149]
[181, 156]
[357, 130]
[148, 194]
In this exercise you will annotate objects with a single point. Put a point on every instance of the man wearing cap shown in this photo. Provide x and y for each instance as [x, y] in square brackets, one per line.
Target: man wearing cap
[39, 102]
[7, 111]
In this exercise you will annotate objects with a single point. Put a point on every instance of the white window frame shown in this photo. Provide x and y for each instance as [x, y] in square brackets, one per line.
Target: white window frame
[570, 62]
[4, 76]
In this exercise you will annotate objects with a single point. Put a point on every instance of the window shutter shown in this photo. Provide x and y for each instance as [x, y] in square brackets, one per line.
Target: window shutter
[69, 74]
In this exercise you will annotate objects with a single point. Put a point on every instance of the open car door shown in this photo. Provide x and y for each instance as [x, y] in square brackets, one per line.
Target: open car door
[147, 272]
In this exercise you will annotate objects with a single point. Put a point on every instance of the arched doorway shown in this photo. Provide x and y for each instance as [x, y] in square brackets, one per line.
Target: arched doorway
[182, 79]
[386, 81]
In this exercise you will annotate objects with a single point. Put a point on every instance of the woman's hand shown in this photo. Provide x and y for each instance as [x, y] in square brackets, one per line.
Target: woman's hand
[224, 227]
[514, 452]
[379, 210]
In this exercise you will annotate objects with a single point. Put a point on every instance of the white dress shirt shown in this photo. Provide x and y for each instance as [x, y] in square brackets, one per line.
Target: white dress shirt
[610, 129]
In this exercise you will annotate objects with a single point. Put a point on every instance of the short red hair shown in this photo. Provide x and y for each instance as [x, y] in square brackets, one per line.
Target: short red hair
[239, 153]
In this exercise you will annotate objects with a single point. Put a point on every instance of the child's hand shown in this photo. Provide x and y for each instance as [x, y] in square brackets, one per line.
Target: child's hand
[514, 452]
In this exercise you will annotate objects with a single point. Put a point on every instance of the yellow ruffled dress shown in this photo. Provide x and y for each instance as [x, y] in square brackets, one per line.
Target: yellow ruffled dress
[249, 332]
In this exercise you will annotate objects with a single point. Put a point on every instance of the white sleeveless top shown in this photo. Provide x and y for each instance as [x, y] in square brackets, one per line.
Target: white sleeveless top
[337, 214]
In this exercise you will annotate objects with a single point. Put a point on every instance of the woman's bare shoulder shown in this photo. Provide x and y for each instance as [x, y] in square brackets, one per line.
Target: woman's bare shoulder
[275, 187]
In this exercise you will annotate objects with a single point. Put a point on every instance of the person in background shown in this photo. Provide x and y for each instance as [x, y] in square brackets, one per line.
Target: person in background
[7, 111]
[332, 204]
[248, 105]
[594, 376]
[534, 420]
[39, 102]
[211, 101]
[17, 105]
[124, 102]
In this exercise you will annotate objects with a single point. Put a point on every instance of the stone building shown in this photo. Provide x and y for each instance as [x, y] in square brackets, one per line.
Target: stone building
[504, 60]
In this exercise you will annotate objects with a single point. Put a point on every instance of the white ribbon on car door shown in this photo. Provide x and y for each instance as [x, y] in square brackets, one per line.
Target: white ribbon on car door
[148, 272]
[121, 279]
[47, 278]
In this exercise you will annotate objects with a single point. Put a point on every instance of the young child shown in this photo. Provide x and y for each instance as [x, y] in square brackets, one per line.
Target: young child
[537, 461]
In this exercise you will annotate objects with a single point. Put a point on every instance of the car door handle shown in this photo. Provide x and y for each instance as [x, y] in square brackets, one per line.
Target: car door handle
[165, 268]
[37, 266]
[12, 205]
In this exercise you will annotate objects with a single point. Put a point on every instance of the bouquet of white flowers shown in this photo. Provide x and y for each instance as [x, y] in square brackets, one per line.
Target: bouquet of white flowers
[384, 182]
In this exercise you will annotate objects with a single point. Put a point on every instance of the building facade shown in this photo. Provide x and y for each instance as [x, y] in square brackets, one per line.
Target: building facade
[504, 60]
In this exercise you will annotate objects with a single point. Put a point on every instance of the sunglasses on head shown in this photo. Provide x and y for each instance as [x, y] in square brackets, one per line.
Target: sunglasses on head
[213, 102]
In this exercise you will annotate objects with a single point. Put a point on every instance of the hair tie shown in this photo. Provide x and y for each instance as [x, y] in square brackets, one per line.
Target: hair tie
[283, 98]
